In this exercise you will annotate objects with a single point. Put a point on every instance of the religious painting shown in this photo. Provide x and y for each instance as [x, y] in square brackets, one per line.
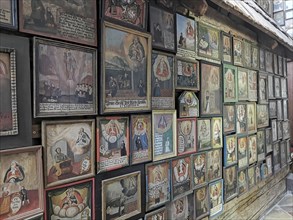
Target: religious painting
[216, 197]
[280, 130]
[187, 74]
[8, 14]
[214, 164]
[252, 148]
[229, 118]
[247, 54]
[157, 184]
[230, 83]
[262, 88]
[162, 28]
[264, 171]
[251, 117]
[186, 36]
[201, 202]
[182, 208]
[226, 47]
[252, 85]
[261, 141]
[163, 91]
[279, 110]
[127, 12]
[121, 196]
[273, 108]
[230, 150]
[277, 87]
[269, 141]
[262, 116]
[186, 136]
[241, 118]
[230, 183]
[276, 156]
[285, 60]
[283, 154]
[140, 138]
[251, 176]
[285, 129]
[254, 57]
[217, 133]
[242, 152]
[238, 51]
[243, 84]
[204, 140]
[242, 182]
[208, 42]
[285, 109]
[65, 78]
[269, 62]
[211, 90]
[181, 176]
[21, 183]
[126, 70]
[280, 61]
[271, 94]
[284, 89]
[261, 59]
[161, 214]
[257, 171]
[288, 151]
[199, 166]
[71, 201]
[8, 101]
[112, 143]
[64, 20]
[274, 130]
[69, 150]
[275, 59]
[164, 134]
[269, 164]
[188, 105]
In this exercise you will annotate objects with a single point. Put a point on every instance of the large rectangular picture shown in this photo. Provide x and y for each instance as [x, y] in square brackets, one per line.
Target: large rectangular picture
[201, 202]
[126, 70]
[65, 79]
[214, 164]
[230, 183]
[74, 21]
[216, 197]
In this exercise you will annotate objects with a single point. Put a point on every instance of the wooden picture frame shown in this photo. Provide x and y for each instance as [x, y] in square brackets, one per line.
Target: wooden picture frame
[158, 177]
[242, 152]
[252, 148]
[269, 62]
[211, 90]
[230, 150]
[254, 56]
[159, 213]
[263, 88]
[9, 14]
[242, 84]
[242, 182]
[199, 169]
[241, 118]
[186, 29]
[79, 197]
[279, 109]
[8, 102]
[271, 94]
[64, 89]
[237, 51]
[283, 154]
[111, 191]
[251, 177]
[276, 68]
[227, 49]
[208, 42]
[280, 66]
[280, 130]
[135, 69]
[186, 204]
[273, 108]
[251, 117]
[162, 28]
[230, 183]
[257, 173]
[163, 74]
[269, 163]
[132, 14]
[140, 138]
[58, 20]
[204, 138]
[276, 156]
[21, 185]
[214, 164]
[288, 151]
[269, 140]
[262, 59]
[284, 88]
[187, 74]
[217, 132]
[252, 85]
[188, 105]
[262, 116]
[274, 130]
[69, 150]
[285, 73]
[261, 147]
[285, 109]
[186, 136]
[230, 83]
[286, 130]
[247, 53]
[164, 134]
[201, 202]
[229, 118]
[216, 197]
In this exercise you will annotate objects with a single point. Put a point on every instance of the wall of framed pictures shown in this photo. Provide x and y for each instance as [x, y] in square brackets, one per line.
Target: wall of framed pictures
[156, 113]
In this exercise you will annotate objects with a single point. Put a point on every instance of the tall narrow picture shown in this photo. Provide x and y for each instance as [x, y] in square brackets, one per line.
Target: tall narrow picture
[251, 176]
[199, 166]
[230, 183]
[227, 47]
[128, 12]
[242, 182]
[274, 130]
[21, 183]
[164, 134]
[280, 61]
[229, 118]
[251, 117]
[126, 70]
[65, 79]
[277, 87]
[284, 89]
[276, 156]
[204, 138]
[257, 172]
[8, 101]
[216, 197]
[269, 141]
[242, 152]
[211, 89]
[252, 85]
[262, 116]
[112, 143]
[285, 109]
[241, 118]
[214, 164]
[271, 94]
[261, 59]
[140, 138]
[125, 191]
[273, 108]
[261, 151]
[71, 21]
[243, 84]
[217, 132]
[8, 14]
[269, 62]
[69, 150]
[230, 150]
[162, 27]
[252, 148]
[247, 54]
[275, 59]
[201, 202]
[230, 83]
[262, 88]
[162, 81]
[238, 51]
[254, 57]
[186, 136]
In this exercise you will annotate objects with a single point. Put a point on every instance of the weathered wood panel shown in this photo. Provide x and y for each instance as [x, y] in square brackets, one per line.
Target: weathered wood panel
[290, 96]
